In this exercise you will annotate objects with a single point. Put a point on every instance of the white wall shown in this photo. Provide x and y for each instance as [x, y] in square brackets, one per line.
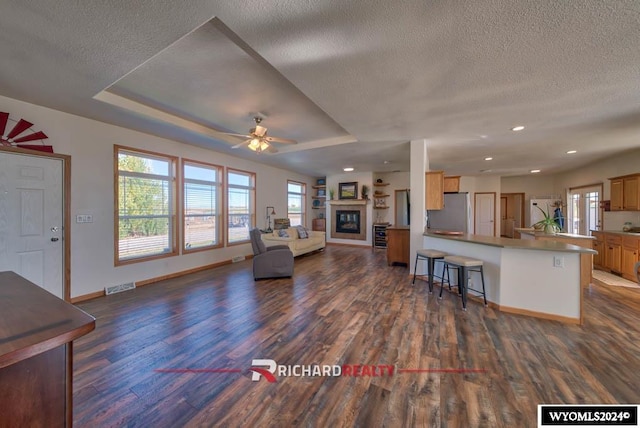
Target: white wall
[90, 144]
[333, 182]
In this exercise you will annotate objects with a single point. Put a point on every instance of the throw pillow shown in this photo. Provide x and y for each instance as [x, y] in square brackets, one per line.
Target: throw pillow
[302, 232]
[282, 233]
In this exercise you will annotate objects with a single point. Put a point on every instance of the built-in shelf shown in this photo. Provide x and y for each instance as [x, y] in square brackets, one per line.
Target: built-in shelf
[380, 184]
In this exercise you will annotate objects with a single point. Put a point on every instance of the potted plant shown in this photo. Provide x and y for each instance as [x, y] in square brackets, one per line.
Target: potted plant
[548, 224]
[331, 193]
[364, 192]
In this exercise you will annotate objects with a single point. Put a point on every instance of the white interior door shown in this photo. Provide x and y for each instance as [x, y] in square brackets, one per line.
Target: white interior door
[31, 219]
[485, 213]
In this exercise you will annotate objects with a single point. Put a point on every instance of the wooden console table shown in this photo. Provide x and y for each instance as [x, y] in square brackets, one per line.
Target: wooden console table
[36, 331]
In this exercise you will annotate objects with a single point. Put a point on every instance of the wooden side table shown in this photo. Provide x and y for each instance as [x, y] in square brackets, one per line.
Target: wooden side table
[319, 224]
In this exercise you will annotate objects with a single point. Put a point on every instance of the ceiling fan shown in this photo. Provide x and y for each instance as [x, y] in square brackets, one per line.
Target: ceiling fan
[257, 139]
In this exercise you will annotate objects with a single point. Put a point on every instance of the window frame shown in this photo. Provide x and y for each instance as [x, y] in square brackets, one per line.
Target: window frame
[220, 234]
[303, 205]
[174, 196]
[252, 202]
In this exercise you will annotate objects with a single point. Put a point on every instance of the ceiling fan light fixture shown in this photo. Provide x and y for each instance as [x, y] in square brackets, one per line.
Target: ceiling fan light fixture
[258, 145]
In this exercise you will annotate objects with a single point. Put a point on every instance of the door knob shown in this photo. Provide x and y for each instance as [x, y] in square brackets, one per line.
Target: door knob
[54, 239]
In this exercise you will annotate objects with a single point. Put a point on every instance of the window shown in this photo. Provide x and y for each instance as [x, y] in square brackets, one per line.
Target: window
[296, 201]
[241, 191]
[201, 205]
[145, 225]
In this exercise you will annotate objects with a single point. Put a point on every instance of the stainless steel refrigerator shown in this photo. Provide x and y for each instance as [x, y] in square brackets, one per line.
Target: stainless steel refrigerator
[455, 216]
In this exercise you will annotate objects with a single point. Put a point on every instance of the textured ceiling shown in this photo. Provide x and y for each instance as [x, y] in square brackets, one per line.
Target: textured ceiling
[352, 81]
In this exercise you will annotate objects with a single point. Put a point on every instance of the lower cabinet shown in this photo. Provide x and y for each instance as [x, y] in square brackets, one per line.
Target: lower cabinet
[617, 253]
[397, 245]
[629, 257]
[598, 245]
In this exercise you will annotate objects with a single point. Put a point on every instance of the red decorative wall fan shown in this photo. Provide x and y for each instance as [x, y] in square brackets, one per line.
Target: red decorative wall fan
[17, 135]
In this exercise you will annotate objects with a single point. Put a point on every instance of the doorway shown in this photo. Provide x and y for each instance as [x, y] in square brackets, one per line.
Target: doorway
[34, 231]
[485, 213]
[583, 212]
[511, 213]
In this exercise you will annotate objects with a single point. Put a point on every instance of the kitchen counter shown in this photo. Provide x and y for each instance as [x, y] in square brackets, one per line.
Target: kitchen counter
[540, 278]
[521, 244]
[618, 232]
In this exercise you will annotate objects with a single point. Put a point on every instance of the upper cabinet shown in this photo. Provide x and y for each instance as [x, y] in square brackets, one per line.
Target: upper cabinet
[434, 193]
[630, 199]
[452, 184]
[625, 193]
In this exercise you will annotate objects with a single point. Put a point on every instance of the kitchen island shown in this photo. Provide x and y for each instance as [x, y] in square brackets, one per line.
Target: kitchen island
[538, 278]
[586, 260]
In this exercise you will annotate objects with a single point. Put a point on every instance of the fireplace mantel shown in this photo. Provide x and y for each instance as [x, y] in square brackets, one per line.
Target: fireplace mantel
[348, 201]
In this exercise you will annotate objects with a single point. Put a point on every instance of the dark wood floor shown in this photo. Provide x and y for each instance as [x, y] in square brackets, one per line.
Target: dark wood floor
[343, 306]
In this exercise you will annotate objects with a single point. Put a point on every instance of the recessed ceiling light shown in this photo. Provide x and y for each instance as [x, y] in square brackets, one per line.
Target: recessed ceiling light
[517, 128]
[485, 170]
[348, 169]
[570, 152]
[534, 171]
[386, 162]
[488, 158]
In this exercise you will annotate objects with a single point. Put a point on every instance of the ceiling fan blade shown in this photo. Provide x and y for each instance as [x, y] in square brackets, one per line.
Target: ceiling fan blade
[271, 149]
[280, 140]
[237, 135]
[242, 144]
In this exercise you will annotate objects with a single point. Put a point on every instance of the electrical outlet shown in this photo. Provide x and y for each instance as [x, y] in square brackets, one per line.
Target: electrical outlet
[558, 261]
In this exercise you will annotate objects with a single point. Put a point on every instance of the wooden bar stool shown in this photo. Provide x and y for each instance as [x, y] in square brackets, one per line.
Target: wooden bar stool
[464, 266]
[431, 256]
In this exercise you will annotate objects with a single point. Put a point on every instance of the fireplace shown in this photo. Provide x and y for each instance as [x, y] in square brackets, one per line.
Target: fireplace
[348, 221]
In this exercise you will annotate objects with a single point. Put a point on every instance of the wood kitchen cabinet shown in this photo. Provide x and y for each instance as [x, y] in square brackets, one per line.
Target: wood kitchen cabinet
[613, 253]
[434, 190]
[398, 245]
[616, 194]
[625, 193]
[452, 184]
[630, 199]
[598, 245]
[630, 246]
[36, 332]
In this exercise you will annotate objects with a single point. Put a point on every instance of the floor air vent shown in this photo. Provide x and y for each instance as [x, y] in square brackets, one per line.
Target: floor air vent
[119, 288]
[237, 259]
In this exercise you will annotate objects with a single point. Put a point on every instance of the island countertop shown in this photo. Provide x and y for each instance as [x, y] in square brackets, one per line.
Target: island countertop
[520, 244]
